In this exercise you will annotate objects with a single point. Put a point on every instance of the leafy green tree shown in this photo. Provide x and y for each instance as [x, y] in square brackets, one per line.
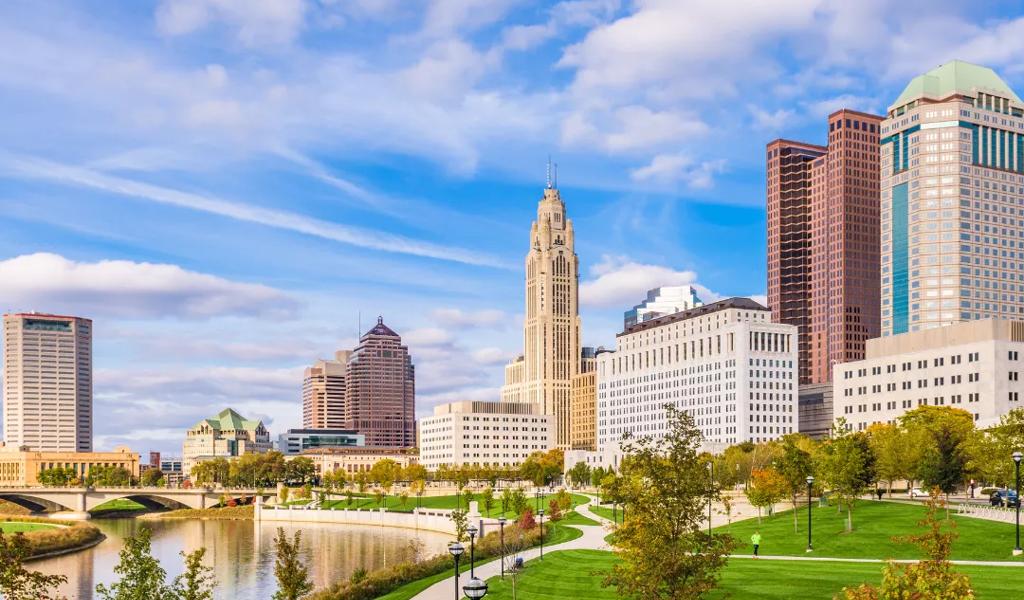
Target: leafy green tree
[300, 469]
[794, 466]
[945, 433]
[57, 477]
[196, 582]
[845, 463]
[102, 475]
[666, 487]
[596, 475]
[768, 486]
[506, 500]
[888, 445]
[579, 474]
[292, 577]
[458, 518]
[217, 470]
[284, 493]
[141, 576]
[152, 477]
[467, 497]
[19, 583]
[487, 497]
[385, 473]
[519, 501]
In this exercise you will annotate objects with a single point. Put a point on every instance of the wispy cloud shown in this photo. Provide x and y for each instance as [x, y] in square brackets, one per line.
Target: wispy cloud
[36, 168]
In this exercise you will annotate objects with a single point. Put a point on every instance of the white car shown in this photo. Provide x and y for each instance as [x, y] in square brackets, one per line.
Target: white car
[917, 493]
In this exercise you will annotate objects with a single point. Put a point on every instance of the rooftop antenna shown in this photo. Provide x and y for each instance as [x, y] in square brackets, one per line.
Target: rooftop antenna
[549, 171]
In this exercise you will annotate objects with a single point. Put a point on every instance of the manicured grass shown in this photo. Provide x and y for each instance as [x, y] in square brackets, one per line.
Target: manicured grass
[579, 573]
[225, 512]
[557, 535]
[607, 512]
[575, 518]
[117, 506]
[394, 503]
[19, 527]
[874, 526]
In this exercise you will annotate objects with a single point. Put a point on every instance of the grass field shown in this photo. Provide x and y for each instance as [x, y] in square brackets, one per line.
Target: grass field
[578, 574]
[556, 535]
[394, 503]
[874, 525]
[606, 512]
[18, 527]
[116, 506]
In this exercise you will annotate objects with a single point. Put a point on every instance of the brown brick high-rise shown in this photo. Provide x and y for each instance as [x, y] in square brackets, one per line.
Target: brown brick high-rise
[380, 390]
[823, 241]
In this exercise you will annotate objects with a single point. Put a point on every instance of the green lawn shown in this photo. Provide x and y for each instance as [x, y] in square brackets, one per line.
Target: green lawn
[19, 527]
[556, 535]
[607, 512]
[394, 503]
[116, 506]
[874, 525]
[578, 574]
[575, 518]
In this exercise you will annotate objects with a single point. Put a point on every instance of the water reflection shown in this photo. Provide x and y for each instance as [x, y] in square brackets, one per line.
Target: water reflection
[242, 553]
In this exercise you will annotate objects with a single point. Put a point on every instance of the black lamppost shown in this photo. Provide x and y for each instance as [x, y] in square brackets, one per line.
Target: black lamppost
[1016, 460]
[456, 551]
[711, 491]
[471, 530]
[475, 588]
[541, 513]
[810, 484]
[501, 522]
[536, 494]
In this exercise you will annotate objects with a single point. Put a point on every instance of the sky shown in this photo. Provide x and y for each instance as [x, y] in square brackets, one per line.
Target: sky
[229, 188]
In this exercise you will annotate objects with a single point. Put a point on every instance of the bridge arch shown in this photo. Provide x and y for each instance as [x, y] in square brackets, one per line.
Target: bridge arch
[41, 502]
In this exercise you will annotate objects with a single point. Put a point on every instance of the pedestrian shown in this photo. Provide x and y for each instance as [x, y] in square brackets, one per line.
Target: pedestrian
[756, 541]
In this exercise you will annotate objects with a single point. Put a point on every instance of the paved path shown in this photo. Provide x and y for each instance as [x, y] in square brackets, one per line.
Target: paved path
[592, 539]
[976, 563]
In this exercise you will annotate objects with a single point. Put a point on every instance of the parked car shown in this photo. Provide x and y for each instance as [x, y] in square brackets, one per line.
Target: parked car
[916, 493]
[1007, 498]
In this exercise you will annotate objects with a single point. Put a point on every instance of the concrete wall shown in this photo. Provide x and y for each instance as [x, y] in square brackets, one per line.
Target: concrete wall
[426, 519]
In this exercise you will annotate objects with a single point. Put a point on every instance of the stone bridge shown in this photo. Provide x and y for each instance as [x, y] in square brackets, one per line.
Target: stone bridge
[79, 501]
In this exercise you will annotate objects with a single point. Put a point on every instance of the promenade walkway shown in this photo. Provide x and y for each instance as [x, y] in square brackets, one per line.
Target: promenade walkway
[592, 539]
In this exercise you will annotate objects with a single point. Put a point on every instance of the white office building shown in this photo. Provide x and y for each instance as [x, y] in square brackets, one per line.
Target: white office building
[724, 363]
[662, 301]
[495, 434]
[974, 365]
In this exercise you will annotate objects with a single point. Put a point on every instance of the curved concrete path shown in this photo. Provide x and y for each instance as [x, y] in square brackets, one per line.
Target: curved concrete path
[592, 539]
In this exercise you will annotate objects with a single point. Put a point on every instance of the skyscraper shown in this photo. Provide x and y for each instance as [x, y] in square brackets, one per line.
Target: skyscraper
[380, 383]
[551, 332]
[823, 238]
[323, 392]
[48, 382]
[952, 186]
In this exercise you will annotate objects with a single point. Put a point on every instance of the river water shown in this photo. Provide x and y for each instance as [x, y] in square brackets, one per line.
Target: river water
[242, 552]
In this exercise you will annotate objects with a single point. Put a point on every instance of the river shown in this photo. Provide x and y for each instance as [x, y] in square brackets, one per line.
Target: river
[242, 553]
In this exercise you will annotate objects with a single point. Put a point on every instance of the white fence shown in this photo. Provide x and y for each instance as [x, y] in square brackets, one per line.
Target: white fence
[420, 518]
[990, 513]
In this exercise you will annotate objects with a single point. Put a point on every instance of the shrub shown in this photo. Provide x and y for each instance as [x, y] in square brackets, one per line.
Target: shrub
[42, 541]
[526, 521]
[554, 512]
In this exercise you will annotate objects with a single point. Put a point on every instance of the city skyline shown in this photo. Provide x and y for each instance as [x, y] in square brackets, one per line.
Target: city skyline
[219, 252]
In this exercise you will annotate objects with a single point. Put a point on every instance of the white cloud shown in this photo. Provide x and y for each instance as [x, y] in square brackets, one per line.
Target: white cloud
[255, 22]
[52, 283]
[679, 168]
[459, 319]
[825, 107]
[618, 282]
[42, 169]
[426, 337]
[491, 356]
[771, 120]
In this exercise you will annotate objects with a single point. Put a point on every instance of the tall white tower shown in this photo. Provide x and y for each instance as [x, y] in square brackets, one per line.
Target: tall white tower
[551, 332]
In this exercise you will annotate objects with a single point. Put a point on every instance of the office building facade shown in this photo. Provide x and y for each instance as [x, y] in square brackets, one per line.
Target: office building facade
[952, 166]
[493, 434]
[47, 382]
[381, 390]
[660, 302]
[297, 441]
[227, 435]
[323, 392]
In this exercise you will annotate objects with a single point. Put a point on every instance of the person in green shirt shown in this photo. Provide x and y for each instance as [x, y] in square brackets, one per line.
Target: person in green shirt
[756, 541]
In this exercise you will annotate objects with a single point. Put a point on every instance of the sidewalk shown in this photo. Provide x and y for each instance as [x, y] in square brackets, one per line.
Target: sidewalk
[592, 539]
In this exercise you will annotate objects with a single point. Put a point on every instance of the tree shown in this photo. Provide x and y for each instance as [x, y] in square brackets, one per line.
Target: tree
[666, 487]
[519, 501]
[526, 521]
[931, 579]
[846, 465]
[284, 494]
[794, 466]
[101, 475]
[768, 486]
[887, 443]
[292, 577]
[216, 470]
[458, 518]
[57, 477]
[385, 473]
[596, 475]
[506, 500]
[19, 583]
[579, 474]
[554, 510]
[141, 576]
[946, 433]
[414, 472]
[196, 581]
[487, 496]
[152, 477]
[300, 469]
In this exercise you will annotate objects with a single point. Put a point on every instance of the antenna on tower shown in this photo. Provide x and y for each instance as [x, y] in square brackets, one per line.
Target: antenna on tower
[549, 171]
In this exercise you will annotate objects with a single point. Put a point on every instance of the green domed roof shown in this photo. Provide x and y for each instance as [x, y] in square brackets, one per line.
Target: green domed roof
[955, 77]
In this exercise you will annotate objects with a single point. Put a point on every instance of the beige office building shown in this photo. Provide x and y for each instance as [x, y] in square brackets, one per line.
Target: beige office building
[494, 434]
[543, 374]
[47, 382]
[583, 421]
[357, 459]
[323, 393]
[973, 365]
[20, 466]
[226, 435]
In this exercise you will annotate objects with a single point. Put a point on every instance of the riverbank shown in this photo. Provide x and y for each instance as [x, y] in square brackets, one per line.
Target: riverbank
[232, 513]
[59, 537]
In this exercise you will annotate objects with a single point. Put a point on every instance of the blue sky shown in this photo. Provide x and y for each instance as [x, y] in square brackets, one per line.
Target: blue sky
[225, 186]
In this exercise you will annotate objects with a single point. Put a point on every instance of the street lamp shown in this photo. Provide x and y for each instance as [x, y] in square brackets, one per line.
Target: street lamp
[501, 522]
[475, 588]
[471, 530]
[810, 484]
[536, 494]
[541, 513]
[1016, 460]
[456, 549]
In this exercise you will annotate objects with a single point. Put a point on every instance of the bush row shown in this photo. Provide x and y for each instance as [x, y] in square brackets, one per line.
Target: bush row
[43, 541]
[383, 581]
[226, 512]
